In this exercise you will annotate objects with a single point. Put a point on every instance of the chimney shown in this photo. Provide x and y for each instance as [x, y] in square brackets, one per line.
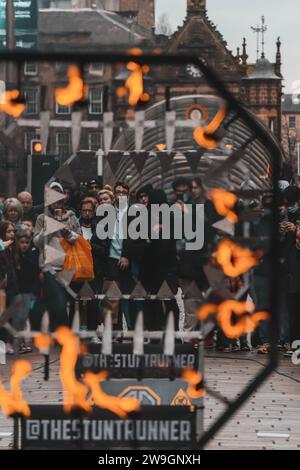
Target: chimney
[195, 7]
[144, 10]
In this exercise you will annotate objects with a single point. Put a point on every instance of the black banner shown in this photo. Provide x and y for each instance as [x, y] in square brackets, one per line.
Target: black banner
[124, 364]
[49, 427]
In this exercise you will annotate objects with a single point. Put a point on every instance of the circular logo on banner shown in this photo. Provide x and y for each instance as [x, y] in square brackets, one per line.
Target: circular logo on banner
[145, 395]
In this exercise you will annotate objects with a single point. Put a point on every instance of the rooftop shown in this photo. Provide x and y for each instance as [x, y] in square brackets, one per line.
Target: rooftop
[291, 103]
[263, 70]
[102, 26]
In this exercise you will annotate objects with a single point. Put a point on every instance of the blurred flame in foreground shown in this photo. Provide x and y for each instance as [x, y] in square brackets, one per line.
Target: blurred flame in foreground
[224, 201]
[202, 134]
[196, 387]
[119, 406]
[13, 402]
[74, 91]
[234, 259]
[224, 312]
[8, 106]
[74, 392]
[135, 51]
[161, 147]
[135, 84]
[43, 342]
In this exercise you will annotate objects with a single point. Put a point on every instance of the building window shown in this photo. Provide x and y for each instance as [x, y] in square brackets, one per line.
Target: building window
[292, 122]
[63, 110]
[63, 144]
[96, 68]
[95, 141]
[30, 68]
[95, 101]
[29, 136]
[31, 101]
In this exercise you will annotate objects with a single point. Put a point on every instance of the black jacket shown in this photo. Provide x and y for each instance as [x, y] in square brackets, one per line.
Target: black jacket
[8, 272]
[27, 272]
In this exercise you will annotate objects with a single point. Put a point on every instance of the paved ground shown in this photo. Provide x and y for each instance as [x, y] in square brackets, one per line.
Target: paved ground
[273, 408]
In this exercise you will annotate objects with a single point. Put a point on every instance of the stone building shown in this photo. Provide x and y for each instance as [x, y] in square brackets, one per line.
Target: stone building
[66, 29]
[291, 130]
[118, 23]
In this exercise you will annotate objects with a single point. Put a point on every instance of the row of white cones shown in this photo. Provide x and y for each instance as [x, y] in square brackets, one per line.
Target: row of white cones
[138, 335]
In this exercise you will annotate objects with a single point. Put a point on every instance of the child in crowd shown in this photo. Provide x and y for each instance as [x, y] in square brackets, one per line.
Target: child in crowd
[28, 223]
[27, 270]
[8, 277]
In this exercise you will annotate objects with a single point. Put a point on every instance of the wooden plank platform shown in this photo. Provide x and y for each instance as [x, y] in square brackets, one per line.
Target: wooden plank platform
[273, 408]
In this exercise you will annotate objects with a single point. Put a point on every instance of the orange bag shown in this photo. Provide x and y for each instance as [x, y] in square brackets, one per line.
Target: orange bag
[79, 257]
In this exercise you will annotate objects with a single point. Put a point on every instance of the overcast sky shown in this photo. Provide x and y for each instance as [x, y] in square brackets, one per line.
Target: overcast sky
[234, 19]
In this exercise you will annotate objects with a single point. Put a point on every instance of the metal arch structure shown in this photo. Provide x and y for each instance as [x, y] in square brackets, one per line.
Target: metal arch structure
[260, 132]
[255, 154]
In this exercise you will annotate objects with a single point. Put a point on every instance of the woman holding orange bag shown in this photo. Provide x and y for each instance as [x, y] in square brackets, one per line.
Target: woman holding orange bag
[55, 296]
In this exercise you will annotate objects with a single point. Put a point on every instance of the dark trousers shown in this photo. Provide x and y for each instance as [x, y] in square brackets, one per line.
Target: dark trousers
[54, 301]
[156, 313]
[125, 283]
[89, 310]
[293, 306]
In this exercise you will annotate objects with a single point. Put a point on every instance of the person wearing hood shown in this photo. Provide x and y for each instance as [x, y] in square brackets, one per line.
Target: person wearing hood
[158, 264]
[55, 296]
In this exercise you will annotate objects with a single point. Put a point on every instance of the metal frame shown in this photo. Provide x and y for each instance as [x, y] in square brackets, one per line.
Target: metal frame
[83, 58]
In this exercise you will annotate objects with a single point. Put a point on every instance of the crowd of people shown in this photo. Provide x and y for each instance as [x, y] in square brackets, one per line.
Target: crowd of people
[31, 282]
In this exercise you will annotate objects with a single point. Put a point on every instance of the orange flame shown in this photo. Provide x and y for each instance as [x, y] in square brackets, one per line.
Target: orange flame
[135, 84]
[194, 379]
[135, 51]
[74, 391]
[234, 259]
[8, 106]
[206, 310]
[13, 402]
[224, 201]
[252, 321]
[120, 406]
[43, 342]
[74, 91]
[200, 134]
[224, 317]
[224, 312]
[161, 147]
